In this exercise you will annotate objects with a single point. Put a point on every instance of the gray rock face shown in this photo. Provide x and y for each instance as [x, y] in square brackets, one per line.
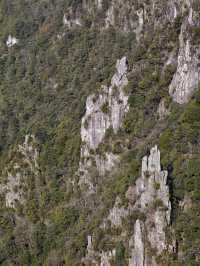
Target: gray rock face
[69, 22]
[186, 78]
[103, 112]
[13, 194]
[72, 18]
[138, 252]
[117, 213]
[11, 41]
[152, 199]
[162, 110]
[96, 121]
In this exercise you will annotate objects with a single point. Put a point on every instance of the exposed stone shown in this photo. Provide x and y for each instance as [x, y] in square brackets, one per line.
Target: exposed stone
[117, 213]
[11, 41]
[71, 22]
[106, 257]
[152, 199]
[186, 203]
[162, 110]
[131, 194]
[99, 3]
[72, 18]
[138, 251]
[97, 121]
[138, 30]
[13, 193]
[151, 163]
[106, 163]
[186, 78]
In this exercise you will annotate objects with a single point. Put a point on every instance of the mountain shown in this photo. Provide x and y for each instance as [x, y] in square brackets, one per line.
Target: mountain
[99, 132]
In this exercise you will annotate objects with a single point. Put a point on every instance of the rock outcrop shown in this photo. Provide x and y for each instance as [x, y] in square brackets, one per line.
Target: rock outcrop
[138, 253]
[116, 214]
[103, 112]
[107, 109]
[186, 78]
[152, 199]
[70, 22]
[150, 206]
[124, 15]
[11, 41]
[162, 110]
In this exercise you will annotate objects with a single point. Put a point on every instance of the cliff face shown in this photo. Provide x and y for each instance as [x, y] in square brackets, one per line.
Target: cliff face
[186, 78]
[149, 198]
[152, 198]
[103, 112]
[96, 99]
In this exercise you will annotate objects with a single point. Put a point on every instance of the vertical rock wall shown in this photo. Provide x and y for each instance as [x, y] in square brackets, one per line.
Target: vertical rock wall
[149, 203]
[186, 78]
[151, 197]
[103, 111]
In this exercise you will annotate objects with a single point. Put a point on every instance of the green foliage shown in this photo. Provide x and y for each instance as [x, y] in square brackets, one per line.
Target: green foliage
[157, 203]
[105, 108]
[120, 255]
[45, 81]
[157, 185]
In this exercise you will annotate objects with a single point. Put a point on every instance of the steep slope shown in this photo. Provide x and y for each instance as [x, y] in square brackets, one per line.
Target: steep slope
[91, 93]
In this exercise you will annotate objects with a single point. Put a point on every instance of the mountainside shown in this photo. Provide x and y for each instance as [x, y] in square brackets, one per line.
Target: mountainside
[100, 132]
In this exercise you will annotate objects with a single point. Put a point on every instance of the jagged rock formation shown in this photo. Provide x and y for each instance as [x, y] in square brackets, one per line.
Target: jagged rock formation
[116, 214]
[11, 41]
[104, 111]
[113, 99]
[126, 16]
[52, 201]
[138, 253]
[186, 78]
[70, 20]
[17, 172]
[151, 198]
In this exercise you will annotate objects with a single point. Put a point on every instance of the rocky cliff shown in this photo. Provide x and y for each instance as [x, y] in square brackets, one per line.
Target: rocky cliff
[186, 78]
[103, 112]
[151, 195]
[99, 132]
[150, 206]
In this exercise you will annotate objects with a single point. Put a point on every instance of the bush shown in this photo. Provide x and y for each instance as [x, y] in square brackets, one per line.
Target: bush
[120, 254]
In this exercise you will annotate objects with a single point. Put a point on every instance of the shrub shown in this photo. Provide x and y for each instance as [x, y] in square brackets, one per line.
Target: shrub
[105, 108]
[120, 254]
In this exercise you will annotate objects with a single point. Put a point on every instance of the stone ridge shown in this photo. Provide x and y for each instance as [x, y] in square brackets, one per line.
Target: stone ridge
[96, 121]
[186, 78]
[104, 111]
[150, 197]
